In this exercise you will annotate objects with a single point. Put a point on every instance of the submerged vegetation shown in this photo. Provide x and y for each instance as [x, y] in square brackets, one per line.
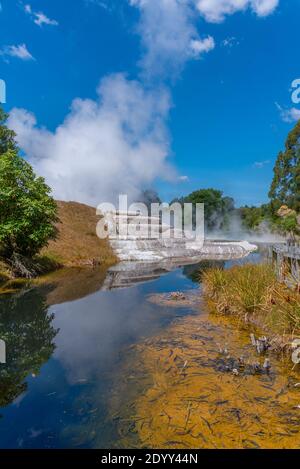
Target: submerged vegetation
[252, 293]
[200, 383]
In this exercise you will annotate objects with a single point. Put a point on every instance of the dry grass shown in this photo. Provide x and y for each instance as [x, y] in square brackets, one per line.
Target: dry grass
[252, 292]
[77, 243]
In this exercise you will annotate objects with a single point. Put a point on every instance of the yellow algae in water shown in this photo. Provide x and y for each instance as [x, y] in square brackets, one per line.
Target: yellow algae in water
[194, 398]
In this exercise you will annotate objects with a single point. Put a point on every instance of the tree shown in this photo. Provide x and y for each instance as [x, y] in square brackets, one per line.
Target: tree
[285, 188]
[289, 226]
[286, 222]
[27, 211]
[217, 207]
[251, 217]
[7, 136]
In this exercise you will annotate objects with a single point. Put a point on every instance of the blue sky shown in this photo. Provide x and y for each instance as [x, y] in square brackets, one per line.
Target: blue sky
[202, 114]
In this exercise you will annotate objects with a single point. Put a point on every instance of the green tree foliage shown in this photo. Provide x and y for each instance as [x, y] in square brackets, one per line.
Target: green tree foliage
[288, 225]
[252, 217]
[217, 207]
[285, 188]
[27, 211]
[7, 136]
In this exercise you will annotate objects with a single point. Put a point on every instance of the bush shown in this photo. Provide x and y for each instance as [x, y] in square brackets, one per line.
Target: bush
[250, 291]
[241, 289]
[27, 211]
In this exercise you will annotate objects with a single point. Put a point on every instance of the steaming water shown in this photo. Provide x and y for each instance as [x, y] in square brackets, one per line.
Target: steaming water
[78, 372]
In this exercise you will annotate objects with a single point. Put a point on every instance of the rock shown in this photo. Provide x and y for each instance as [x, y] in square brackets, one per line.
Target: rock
[177, 296]
[262, 345]
[139, 238]
[267, 365]
[285, 211]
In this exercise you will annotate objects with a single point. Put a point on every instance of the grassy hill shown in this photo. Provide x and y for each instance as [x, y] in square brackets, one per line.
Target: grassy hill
[77, 243]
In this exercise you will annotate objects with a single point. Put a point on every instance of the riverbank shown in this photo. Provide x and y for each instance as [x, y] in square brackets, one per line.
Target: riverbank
[77, 245]
[252, 294]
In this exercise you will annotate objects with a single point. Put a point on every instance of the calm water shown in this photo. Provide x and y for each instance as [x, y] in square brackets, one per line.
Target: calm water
[64, 346]
[66, 343]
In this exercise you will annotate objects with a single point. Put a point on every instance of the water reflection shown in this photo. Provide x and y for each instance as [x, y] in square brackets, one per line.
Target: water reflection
[67, 343]
[194, 272]
[73, 284]
[93, 330]
[27, 329]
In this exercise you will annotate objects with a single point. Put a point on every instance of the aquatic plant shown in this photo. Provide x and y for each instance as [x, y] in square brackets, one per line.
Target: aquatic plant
[252, 292]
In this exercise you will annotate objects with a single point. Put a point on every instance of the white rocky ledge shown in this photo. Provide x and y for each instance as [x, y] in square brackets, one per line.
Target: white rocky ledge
[140, 247]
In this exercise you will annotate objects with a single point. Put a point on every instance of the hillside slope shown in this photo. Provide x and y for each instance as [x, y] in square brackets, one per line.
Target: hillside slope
[77, 243]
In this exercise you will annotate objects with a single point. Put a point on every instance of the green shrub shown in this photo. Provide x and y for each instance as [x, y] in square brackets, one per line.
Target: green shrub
[27, 211]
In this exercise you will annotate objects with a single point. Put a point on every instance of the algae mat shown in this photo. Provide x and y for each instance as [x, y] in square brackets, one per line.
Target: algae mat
[200, 384]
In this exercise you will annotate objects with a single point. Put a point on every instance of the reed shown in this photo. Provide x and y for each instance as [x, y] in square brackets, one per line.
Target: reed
[252, 292]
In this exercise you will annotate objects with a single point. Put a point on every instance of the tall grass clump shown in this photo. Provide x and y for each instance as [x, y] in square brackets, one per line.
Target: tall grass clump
[252, 292]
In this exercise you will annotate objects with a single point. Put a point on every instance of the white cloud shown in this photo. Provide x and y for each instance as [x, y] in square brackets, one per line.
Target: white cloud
[118, 144]
[215, 11]
[264, 7]
[20, 51]
[261, 164]
[230, 42]
[183, 179]
[288, 115]
[28, 9]
[200, 46]
[169, 33]
[39, 18]
[99, 3]
[169, 36]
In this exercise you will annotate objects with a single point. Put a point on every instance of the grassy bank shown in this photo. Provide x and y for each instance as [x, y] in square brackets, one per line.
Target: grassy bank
[77, 245]
[252, 294]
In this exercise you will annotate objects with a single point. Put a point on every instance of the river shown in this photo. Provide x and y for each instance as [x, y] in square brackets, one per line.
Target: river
[92, 367]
